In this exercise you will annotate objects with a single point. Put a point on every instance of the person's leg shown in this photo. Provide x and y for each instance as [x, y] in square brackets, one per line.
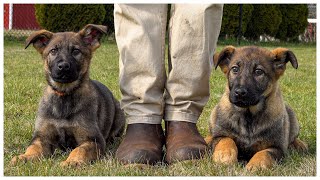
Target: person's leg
[194, 31]
[140, 35]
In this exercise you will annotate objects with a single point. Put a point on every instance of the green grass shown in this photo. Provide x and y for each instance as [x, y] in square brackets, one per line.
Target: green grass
[24, 82]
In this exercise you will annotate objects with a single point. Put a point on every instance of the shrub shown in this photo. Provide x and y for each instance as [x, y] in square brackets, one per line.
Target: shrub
[265, 20]
[108, 20]
[230, 19]
[294, 21]
[69, 17]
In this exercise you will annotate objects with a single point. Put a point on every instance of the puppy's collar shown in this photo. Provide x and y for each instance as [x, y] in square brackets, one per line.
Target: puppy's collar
[59, 93]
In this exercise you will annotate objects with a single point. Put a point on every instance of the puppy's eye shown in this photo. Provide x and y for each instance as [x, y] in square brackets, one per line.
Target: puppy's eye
[54, 51]
[258, 72]
[76, 52]
[235, 69]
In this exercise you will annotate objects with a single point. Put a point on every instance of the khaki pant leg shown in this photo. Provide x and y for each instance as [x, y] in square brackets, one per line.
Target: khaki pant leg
[140, 35]
[194, 31]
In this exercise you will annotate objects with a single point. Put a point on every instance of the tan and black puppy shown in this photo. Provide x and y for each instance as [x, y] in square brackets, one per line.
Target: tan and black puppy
[251, 121]
[75, 112]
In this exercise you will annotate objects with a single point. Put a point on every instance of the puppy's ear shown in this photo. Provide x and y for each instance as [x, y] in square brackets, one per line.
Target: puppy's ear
[282, 56]
[39, 39]
[91, 35]
[223, 58]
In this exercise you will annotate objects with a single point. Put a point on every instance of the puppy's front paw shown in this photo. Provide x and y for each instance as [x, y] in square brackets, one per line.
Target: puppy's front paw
[21, 158]
[80, 156]
[261, 160]
[225, 151]
[14, 161]
[225, 156]
[257, 165]
[72, 163]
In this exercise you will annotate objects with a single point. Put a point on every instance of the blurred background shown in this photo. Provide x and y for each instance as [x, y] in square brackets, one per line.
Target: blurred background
[241, 22]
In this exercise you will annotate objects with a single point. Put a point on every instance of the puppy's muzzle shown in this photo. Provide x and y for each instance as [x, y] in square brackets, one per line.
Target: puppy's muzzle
[64, 66]
[64, 72]
[241, 97]
[240, 93]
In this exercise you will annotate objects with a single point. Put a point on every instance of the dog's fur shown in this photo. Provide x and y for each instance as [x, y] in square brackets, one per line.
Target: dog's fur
[251, 121]
[75, 112]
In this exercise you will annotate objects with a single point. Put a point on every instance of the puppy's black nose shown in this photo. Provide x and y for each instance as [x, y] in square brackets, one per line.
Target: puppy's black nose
[63, 66]
[240, 92]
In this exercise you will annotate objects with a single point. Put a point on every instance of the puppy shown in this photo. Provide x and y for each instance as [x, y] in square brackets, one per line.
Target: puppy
[251, 121]
[75, 112]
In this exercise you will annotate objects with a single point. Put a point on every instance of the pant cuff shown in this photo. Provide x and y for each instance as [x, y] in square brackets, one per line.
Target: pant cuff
[144, 119]
[181, 116]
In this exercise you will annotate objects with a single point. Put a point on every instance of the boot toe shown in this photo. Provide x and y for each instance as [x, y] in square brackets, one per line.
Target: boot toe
[142, 144]
[138, 156]
[186, 153]
[183, 142]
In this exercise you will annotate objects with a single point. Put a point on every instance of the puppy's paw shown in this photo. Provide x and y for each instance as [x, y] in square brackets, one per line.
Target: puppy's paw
[258, 165]
[225, 156]
[21, 158]
[78, 157]
[299, 145]
[72, 163]
[261, 160]
[225, 151]
[14, 161]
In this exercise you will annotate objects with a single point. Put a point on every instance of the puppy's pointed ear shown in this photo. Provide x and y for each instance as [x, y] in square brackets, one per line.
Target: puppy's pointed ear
[223, 58]
[39, 39]
[91, 35]
[282, 56]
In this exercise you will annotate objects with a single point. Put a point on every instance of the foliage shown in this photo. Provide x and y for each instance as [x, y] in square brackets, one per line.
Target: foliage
[282, 21]
[294, 21]
[108, 20]
[69, 17]
[265, 20]
[230, 19]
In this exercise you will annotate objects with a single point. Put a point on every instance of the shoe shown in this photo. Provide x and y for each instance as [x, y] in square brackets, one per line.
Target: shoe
[142, 144]
[183, 142]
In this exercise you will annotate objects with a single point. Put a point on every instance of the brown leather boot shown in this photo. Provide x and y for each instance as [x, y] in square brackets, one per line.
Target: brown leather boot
[183, 141]
[142, 144]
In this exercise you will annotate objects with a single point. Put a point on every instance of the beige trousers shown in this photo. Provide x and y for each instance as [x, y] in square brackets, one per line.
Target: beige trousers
[148, 93]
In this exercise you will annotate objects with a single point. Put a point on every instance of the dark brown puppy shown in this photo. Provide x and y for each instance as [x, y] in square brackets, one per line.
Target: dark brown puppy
[75, 111]
[251, 121]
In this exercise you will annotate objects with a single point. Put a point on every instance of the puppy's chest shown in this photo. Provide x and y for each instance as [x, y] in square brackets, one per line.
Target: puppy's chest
[66, 139]
[245, 125]
[249, 130]
[65, 107]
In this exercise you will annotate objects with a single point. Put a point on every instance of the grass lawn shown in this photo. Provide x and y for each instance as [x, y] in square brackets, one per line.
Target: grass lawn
[24, 82]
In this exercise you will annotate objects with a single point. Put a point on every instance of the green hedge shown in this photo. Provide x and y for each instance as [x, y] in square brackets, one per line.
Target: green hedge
[285, 22]
[265, 20]
[294, 21]
[108, 20]
[69, 17]
[282, 21]
[230, 19]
